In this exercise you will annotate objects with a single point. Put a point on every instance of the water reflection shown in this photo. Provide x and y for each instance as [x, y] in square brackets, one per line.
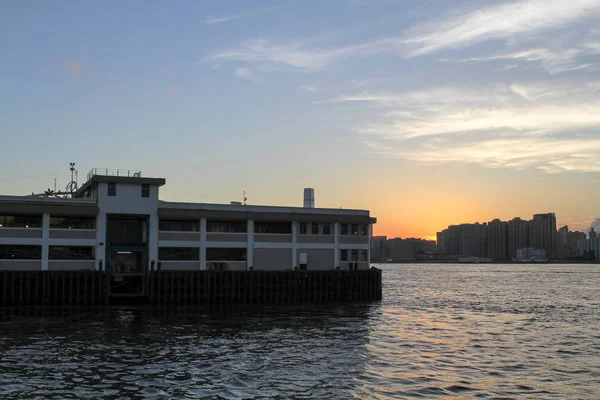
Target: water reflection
[441, 331]
[303, 352]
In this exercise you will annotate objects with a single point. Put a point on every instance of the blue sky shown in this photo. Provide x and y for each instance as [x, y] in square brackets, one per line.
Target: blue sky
[426, 112]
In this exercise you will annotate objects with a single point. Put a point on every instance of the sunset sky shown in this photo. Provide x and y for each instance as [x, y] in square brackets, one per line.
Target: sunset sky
[426, 112]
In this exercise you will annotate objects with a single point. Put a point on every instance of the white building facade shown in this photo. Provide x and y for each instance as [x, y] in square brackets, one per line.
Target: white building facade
[115, 222]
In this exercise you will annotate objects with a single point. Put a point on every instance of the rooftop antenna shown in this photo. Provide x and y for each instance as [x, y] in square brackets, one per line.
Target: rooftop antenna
[72, 186]
[245, 198]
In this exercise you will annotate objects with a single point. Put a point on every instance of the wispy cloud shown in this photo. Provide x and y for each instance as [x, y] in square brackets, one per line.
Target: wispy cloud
[555, 61]
[513, 126]
[310, 88]
[243, 73]
[502, 21]
[220, 20]
[298, 55]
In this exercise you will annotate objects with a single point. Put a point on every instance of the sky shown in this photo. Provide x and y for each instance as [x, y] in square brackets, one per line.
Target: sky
[425, 112]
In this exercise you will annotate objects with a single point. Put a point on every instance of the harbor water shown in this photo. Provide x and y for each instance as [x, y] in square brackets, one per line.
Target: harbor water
[452, 331]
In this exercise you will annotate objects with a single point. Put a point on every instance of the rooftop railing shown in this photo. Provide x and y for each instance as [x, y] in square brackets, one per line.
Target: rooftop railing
[113, 172]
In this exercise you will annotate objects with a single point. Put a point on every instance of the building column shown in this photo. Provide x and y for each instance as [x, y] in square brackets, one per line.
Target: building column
[336, 245]
[45, 240]
[370, 233]
[203, 244]
[294, 251]
[153, 240]
[100, 241]
[250, 245]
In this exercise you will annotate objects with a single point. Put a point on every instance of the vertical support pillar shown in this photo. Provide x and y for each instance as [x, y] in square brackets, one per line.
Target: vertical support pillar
[45, 240]
[203, 244]
[250, 245]
[370, 233]
[153, 241]
[294, 239]
[336, 245]
[101, 244]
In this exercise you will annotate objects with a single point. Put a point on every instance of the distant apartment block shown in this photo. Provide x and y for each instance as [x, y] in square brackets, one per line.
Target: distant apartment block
[501, 240]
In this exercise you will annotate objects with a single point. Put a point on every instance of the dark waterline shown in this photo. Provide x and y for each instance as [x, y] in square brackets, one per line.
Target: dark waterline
[461, 331]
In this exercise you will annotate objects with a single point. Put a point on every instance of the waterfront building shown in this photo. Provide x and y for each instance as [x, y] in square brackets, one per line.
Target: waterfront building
[115, 222]
[497, 240]
[531, 254]
[518, 236]
[543, 233]
[590, 245]
[379, 249]
[468, 240]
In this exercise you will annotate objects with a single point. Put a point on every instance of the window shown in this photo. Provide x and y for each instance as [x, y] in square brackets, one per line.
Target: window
[354, 255]
[20, 252]
[354, 229]
[344, 230]
[344, 255]
[362, 230]
[145, 190]
[112, 189]
[225, 254]
[72, 222]
[303, 228]
[71, 253]
[20, 221]
[314, 228]
[179, 254]
[178, 226]
[227, 226]
[326, 229]
[273, 227]
[362, 255]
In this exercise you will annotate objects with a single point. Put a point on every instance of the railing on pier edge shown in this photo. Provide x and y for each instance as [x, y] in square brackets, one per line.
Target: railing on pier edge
[83, 288]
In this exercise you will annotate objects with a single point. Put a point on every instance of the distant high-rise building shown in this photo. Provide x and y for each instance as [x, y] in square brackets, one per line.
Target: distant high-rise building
[542, 234]
[379, 249]
[443, 241]
[561, 239]
[497, 238]
[518, 236]
[402, 250]
[593, 234]
[468, 240]
[573, 241]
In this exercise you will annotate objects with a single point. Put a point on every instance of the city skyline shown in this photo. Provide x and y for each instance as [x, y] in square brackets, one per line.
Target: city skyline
[427, 113]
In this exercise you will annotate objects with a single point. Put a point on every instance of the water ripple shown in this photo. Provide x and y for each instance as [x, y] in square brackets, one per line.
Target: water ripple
[442, 331]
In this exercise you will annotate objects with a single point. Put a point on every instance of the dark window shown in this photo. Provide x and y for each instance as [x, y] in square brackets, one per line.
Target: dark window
[362, 255]
[326, 229]
[72, 222]
[179, 226]
[121, 230]
[20, 221]
[225, 254]
[354, 255]
[112, 189]
[71, 253]
[362, 230]
[20, 252]
[354, 229]
[273, 227]
[145, 190]
[344, 230]
[179, 253]
[314, 228]
[344, 255]
[227, 226]
[303, 228]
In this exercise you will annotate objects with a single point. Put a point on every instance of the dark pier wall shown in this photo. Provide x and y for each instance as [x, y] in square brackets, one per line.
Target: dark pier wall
[193, 287]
